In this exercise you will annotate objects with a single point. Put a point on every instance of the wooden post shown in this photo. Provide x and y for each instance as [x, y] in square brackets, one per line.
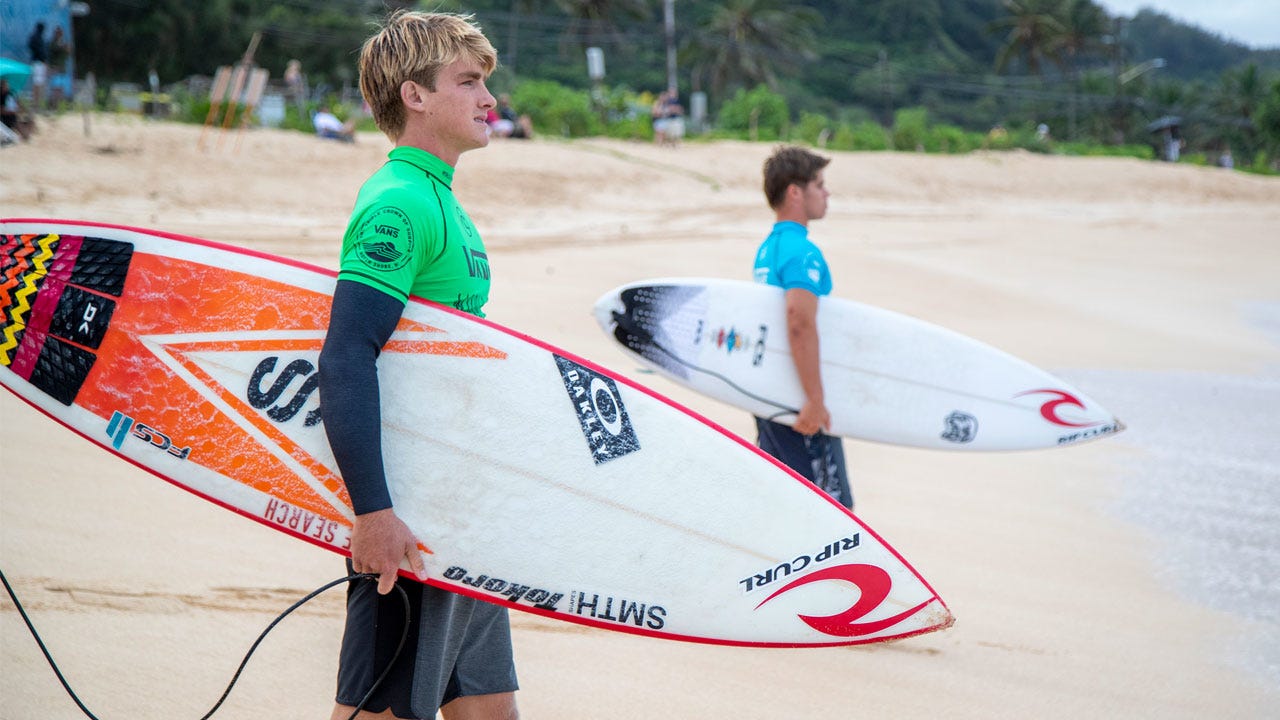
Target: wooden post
[257, 85]
[237, 89]
[221, 79]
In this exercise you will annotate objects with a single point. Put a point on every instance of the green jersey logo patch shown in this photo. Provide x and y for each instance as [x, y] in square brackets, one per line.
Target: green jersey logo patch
[386, 240]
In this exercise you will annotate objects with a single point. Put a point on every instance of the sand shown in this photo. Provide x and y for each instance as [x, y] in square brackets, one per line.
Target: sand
[149, 596]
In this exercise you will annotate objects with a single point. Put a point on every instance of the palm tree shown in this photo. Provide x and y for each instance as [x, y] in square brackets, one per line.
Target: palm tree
[1237, 98]
[745, 42]
[1034, 33]
[591, 22]
[1267, 121]
[1084, 25]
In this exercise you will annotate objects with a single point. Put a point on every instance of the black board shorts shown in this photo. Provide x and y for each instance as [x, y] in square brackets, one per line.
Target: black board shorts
[457, 646]
[819, 458]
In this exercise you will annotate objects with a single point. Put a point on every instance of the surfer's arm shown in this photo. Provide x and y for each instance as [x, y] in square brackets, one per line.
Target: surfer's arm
[361, 322]
[802, 334]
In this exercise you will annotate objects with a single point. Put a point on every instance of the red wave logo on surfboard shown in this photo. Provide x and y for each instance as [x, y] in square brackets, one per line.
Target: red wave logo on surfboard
[1049, 410]
[874, 585]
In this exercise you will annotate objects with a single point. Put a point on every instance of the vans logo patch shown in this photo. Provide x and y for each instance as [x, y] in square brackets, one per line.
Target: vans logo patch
[385, 240]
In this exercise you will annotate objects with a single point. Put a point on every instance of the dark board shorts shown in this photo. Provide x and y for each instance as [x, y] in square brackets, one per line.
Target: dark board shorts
[456, 646]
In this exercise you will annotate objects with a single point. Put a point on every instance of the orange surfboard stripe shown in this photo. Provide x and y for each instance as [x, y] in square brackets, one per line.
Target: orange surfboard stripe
[165, 296]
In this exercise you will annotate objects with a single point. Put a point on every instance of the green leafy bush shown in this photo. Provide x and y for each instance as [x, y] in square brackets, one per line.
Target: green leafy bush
[556, 109]
[862, 135]
[758, 114]
[951, 139]
[811, 127]
[910, 128]
[1143, 152]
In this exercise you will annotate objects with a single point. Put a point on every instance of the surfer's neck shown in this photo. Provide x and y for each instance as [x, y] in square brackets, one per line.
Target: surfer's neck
[784, 214]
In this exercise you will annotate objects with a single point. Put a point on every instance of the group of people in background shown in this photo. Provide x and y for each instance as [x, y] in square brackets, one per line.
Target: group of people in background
[48, 58]
[668, 118]
[504, 121]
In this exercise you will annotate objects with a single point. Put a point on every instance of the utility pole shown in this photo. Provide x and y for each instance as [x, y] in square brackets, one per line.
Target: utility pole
[669, 20]
[886, 87]
[595, 71]
[513, 36]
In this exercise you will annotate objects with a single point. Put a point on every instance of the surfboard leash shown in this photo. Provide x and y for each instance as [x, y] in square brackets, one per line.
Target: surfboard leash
[236, 677]
[645, 336]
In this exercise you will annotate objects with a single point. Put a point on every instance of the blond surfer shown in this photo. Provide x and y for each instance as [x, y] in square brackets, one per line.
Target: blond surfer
[423, 75]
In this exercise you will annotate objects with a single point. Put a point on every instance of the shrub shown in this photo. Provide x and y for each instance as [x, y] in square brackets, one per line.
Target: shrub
[1142, 152]
[910, 128]
[951, 139]
[811, 128]
[556, 109]
[759, 114]
[634, 127]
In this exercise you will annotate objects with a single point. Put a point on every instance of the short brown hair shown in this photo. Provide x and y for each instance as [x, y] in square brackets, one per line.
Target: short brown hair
[787, 166]
[414, 46]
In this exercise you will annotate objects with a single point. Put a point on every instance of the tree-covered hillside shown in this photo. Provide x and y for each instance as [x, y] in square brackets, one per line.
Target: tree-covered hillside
[973, 64]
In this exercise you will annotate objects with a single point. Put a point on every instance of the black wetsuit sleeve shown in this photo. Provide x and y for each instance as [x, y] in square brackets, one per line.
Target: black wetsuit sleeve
[361, 321]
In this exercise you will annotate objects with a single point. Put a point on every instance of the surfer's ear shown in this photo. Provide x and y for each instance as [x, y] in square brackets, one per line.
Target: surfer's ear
[412, 94]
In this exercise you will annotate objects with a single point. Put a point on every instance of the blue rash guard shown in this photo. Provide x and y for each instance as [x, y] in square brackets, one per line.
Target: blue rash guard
[790, 261]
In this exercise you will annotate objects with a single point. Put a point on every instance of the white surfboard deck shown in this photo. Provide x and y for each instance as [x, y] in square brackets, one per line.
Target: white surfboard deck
[536, 479]
[887, 377]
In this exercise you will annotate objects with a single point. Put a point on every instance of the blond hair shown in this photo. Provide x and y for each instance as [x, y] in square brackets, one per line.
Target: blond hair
[414, 46]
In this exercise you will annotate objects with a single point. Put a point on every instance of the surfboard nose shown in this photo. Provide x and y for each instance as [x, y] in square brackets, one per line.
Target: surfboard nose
[605, 309]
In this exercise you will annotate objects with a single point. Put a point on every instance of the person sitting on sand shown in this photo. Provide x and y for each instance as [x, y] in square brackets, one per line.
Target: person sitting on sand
[504, 121]
[329, 126]
[12, 114]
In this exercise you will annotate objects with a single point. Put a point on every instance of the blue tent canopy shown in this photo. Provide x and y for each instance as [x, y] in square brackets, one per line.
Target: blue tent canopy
[15, 72]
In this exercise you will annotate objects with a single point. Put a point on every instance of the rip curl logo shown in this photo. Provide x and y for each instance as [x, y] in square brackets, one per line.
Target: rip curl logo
[1050, 408]
[873, 584]
[389, 243]
[961, 427]
[604, 419]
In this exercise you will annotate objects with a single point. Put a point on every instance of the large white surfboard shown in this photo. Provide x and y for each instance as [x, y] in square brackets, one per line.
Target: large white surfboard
[887, 377]
[536, 479]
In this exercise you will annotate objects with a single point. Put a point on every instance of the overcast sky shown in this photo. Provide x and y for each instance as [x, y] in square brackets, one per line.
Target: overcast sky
[1253, 22]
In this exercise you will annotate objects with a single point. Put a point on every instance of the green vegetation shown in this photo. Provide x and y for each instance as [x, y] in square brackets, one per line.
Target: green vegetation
[932, 75]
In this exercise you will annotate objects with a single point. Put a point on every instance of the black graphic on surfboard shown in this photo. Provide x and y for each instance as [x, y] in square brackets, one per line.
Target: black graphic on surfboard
[56, 300]
[603, 417]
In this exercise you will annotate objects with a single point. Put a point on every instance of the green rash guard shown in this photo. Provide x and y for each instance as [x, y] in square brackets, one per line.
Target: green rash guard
[409, 236]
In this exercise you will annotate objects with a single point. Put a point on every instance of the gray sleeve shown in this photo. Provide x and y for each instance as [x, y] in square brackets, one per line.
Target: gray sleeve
[361, 321]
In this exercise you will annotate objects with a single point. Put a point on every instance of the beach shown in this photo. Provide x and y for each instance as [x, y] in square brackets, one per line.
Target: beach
[1135, 576]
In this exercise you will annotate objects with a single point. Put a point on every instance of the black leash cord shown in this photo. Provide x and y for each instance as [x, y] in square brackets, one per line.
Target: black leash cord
[626, 324]
[368, 576]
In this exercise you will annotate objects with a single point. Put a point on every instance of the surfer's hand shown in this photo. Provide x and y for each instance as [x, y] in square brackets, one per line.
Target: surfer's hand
[379, 541]
[812, 418]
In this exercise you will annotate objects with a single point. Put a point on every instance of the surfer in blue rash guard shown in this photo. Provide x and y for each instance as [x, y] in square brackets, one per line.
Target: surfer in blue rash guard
[796, 191]
[423, 75]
